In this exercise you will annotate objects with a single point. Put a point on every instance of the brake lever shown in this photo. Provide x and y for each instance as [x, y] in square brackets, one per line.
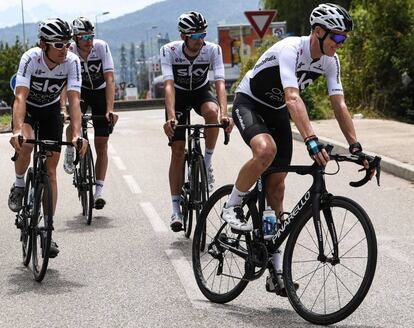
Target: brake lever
[226, 135]
[373, 164]
[79, 144]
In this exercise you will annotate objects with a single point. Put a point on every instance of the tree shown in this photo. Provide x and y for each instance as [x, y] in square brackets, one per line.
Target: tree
[379, 71]
[9, 59]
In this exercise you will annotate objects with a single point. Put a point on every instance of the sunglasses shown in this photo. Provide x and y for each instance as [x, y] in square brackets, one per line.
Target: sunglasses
[196, 36]
[337, 38]
[86, 37]
[59, 45]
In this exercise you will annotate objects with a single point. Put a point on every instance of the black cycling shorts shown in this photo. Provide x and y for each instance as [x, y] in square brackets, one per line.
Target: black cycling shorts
[96, 99]
[189, 99]
[253, 118]
[50, 122]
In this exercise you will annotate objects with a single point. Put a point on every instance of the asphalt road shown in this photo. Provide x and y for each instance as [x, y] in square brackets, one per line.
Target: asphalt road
[129, 270]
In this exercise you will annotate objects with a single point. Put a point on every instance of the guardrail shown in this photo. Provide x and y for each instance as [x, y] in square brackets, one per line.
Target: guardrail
[126, 105]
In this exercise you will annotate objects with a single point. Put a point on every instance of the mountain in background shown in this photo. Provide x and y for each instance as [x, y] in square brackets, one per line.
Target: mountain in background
[158, 19]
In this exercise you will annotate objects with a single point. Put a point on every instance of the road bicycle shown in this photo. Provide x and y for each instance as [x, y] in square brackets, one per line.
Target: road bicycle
[330, 255]
[84, 177]
[195, 190]
[35, 219]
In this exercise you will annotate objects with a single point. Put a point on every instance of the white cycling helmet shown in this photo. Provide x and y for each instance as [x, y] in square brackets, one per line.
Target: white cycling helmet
[82, 25]
[192, 22]
[331, 17]
[54, 29]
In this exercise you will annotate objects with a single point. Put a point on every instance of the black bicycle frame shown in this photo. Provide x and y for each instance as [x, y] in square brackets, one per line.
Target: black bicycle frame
[313, 198]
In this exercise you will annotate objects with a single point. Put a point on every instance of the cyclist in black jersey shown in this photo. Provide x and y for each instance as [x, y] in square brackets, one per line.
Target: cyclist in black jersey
[43, 72]
[98, 92]
[185, 65]
[271, 91]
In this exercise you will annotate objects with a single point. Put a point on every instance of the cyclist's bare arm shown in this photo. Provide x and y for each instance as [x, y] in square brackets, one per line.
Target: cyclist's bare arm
[63, 99]
[170, 106]
[297, 110]
[76, 119]
[109, 92]
[222, 99]
[19, 112]
[346, 124]
[19, 108]
[344, 118]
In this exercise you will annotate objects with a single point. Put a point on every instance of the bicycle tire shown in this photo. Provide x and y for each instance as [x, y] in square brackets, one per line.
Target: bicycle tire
[186, 208]
[88, 186]
[210, 223]
[203, 194]
[25, 219]
[355, 234]
[42, 228]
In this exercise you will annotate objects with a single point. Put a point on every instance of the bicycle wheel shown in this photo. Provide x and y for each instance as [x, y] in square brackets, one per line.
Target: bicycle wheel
[186, 207]
[328, 291]
[24, 218]
[41, 228]
[87, 178]
[219, 273]
[202, 193]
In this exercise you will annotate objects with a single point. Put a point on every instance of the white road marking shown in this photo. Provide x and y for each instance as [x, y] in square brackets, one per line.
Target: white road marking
[185, 272]
[132, 184]
[111, 149]
[119, 163]
[158, 225]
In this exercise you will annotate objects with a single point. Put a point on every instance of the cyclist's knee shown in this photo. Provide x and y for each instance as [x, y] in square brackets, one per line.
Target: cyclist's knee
[264, 154]
[177, 151]
[210, 112]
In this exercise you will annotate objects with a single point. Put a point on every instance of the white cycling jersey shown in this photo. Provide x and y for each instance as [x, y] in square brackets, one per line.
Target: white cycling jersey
[99, 61]
[191, 75]
[288, 63]
[46, 84]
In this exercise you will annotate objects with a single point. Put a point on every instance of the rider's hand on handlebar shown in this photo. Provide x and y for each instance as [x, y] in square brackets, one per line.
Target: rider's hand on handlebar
[16, 141]
[230, 123]
[169, 127]
[356, 149]
[82, 150]
[316, 151]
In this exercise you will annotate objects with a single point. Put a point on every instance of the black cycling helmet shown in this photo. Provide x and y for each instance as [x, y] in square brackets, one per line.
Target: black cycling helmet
[54, 29]
[331, 17]
[192, 22]
[82, 25]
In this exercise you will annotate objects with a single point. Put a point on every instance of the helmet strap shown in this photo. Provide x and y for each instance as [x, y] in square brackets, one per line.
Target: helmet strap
[322, 39]
[46, 53]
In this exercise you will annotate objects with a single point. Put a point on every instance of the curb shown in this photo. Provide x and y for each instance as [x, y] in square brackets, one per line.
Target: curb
[389, 165]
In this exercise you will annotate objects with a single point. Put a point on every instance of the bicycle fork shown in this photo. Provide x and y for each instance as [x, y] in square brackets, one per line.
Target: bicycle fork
[324, 200]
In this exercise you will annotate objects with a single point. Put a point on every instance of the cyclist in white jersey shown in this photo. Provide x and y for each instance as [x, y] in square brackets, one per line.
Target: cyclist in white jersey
[271, 91]
[43, 72]
[98, 92]
[185, 65]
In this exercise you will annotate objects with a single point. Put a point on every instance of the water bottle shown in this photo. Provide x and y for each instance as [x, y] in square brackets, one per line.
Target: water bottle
[269, 223]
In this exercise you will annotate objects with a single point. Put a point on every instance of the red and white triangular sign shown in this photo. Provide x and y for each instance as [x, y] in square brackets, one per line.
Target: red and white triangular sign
[260, 20]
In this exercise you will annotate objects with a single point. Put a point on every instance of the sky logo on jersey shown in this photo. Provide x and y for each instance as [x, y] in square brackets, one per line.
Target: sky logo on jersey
[188, 72]
[39, 72]
[45, 86]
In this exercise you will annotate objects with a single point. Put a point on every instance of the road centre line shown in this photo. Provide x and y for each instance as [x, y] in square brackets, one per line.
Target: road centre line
[132, 184]
[119, 163]
[111, 149]
[158, 225]
[185, 272]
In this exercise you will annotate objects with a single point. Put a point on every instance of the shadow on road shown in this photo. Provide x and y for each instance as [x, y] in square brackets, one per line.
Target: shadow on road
[78, 224]
[54, 283]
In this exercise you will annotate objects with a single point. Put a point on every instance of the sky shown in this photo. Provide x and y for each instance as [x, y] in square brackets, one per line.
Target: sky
[35, 10]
